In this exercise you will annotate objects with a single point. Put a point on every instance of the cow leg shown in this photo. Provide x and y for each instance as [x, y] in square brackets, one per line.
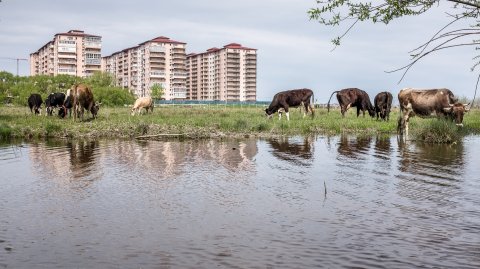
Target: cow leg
[311, 109]
[286, 112]
[279, 115]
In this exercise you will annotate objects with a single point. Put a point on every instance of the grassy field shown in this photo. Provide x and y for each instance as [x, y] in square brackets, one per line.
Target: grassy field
[210, 121]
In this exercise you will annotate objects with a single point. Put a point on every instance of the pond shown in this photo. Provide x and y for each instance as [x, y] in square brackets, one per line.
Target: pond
[296, 202]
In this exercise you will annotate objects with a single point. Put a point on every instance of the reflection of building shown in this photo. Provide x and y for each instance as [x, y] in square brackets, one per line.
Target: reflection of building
[72, 53]
[226, 74]
[64, 161]
[170, 158]
[84, 162]
[156, 61]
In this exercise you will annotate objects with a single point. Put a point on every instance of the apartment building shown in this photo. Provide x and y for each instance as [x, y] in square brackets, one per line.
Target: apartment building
[225, 74]
[156, 61]
[71, 53]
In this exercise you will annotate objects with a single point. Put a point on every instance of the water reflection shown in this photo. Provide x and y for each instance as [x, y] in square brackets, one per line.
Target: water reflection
[354, 147]
[297, 150]
[211, 203]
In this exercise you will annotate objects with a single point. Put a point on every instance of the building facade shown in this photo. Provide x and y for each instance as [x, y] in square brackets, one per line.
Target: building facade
[224, 74]
[157, 61]
[72, 53]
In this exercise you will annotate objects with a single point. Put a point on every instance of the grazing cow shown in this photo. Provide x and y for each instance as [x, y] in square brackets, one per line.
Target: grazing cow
[353, 97]
[35, 103]
[54, 100]
[142, 102]
[66, 107]
[293, 98]
[383, 104]
[425, 103]
[82, 97]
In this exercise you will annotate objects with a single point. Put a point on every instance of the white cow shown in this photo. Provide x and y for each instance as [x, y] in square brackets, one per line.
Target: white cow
[142, 102]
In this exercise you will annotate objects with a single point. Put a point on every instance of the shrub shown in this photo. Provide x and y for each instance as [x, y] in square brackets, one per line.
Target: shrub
[5, 131]
[437, 131]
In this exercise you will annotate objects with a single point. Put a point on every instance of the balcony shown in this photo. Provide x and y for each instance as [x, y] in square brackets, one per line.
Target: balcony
[179, 75]
[67, 61]
[157, 65]
[156, 49]
[93, 45]
[157, 74]
[93, 61]
[67, 56]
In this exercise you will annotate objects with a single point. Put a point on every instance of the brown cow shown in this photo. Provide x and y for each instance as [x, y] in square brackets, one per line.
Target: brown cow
[142, 102]
[383, 105]
[425, 103]
[82, 98]
[292, 98]
[353, 97]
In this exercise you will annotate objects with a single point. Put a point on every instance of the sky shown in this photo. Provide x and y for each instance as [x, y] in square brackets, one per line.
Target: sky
[293, 51]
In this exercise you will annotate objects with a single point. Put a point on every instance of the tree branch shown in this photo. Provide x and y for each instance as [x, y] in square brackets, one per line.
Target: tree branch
[475, 5]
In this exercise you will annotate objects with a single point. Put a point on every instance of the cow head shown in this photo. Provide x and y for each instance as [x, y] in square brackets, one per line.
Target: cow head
[269, 113]
[95, 108]
[456, 112]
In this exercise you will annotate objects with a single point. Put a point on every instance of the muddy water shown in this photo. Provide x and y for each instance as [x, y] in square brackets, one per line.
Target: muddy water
[315, 202]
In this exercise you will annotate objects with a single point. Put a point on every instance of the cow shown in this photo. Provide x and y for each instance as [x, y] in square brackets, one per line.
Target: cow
[66, 107]
[383, 105]
[35, 103]
[54, 100]
[353, 97]
[142, 102]
[428, 102]
[292, 98]
[82, 98]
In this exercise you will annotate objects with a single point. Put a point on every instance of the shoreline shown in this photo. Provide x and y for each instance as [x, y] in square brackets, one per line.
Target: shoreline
[203, 122]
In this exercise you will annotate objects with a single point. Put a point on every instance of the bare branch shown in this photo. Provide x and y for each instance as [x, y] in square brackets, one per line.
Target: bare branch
[475, 5]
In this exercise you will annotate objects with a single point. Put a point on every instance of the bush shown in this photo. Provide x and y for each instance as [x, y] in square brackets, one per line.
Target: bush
[5, 131]
[437, 131]
[112, 96]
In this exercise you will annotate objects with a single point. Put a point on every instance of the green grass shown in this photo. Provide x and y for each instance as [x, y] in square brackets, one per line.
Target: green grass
[208, 121]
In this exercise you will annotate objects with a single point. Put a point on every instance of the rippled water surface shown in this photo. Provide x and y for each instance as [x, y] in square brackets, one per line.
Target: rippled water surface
[314, 202]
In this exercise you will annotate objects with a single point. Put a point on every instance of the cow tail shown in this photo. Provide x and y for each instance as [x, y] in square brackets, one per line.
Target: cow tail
[328, 104]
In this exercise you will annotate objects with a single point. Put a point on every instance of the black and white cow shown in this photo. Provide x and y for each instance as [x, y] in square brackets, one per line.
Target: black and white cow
[35, 103]
[293, 98]
[54, 100]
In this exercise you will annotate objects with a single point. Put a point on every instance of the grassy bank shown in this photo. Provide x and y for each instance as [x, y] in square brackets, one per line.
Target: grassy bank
[204, 121]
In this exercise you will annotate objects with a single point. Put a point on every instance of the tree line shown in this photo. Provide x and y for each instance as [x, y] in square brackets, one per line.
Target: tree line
[17, 89]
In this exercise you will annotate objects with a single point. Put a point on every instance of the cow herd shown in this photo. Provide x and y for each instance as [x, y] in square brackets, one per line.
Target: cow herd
[420, 102]
[78, 98]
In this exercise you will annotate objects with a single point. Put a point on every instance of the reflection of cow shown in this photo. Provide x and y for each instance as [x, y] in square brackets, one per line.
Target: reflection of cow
[35, 103]
[353, 147]
[425, 103]
[142, 102]
[353, 97]
[296, 152]
[82, 98]
[293, 98]
[383, 104]
[54, 100]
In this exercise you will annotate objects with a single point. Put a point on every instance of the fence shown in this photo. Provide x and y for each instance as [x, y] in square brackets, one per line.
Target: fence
[210, 103]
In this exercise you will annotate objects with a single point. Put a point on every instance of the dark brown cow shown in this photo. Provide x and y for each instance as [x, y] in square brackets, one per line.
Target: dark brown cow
[353, 97]
[432, 102]
[82, 98]
[292, 98]
[383, 105]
